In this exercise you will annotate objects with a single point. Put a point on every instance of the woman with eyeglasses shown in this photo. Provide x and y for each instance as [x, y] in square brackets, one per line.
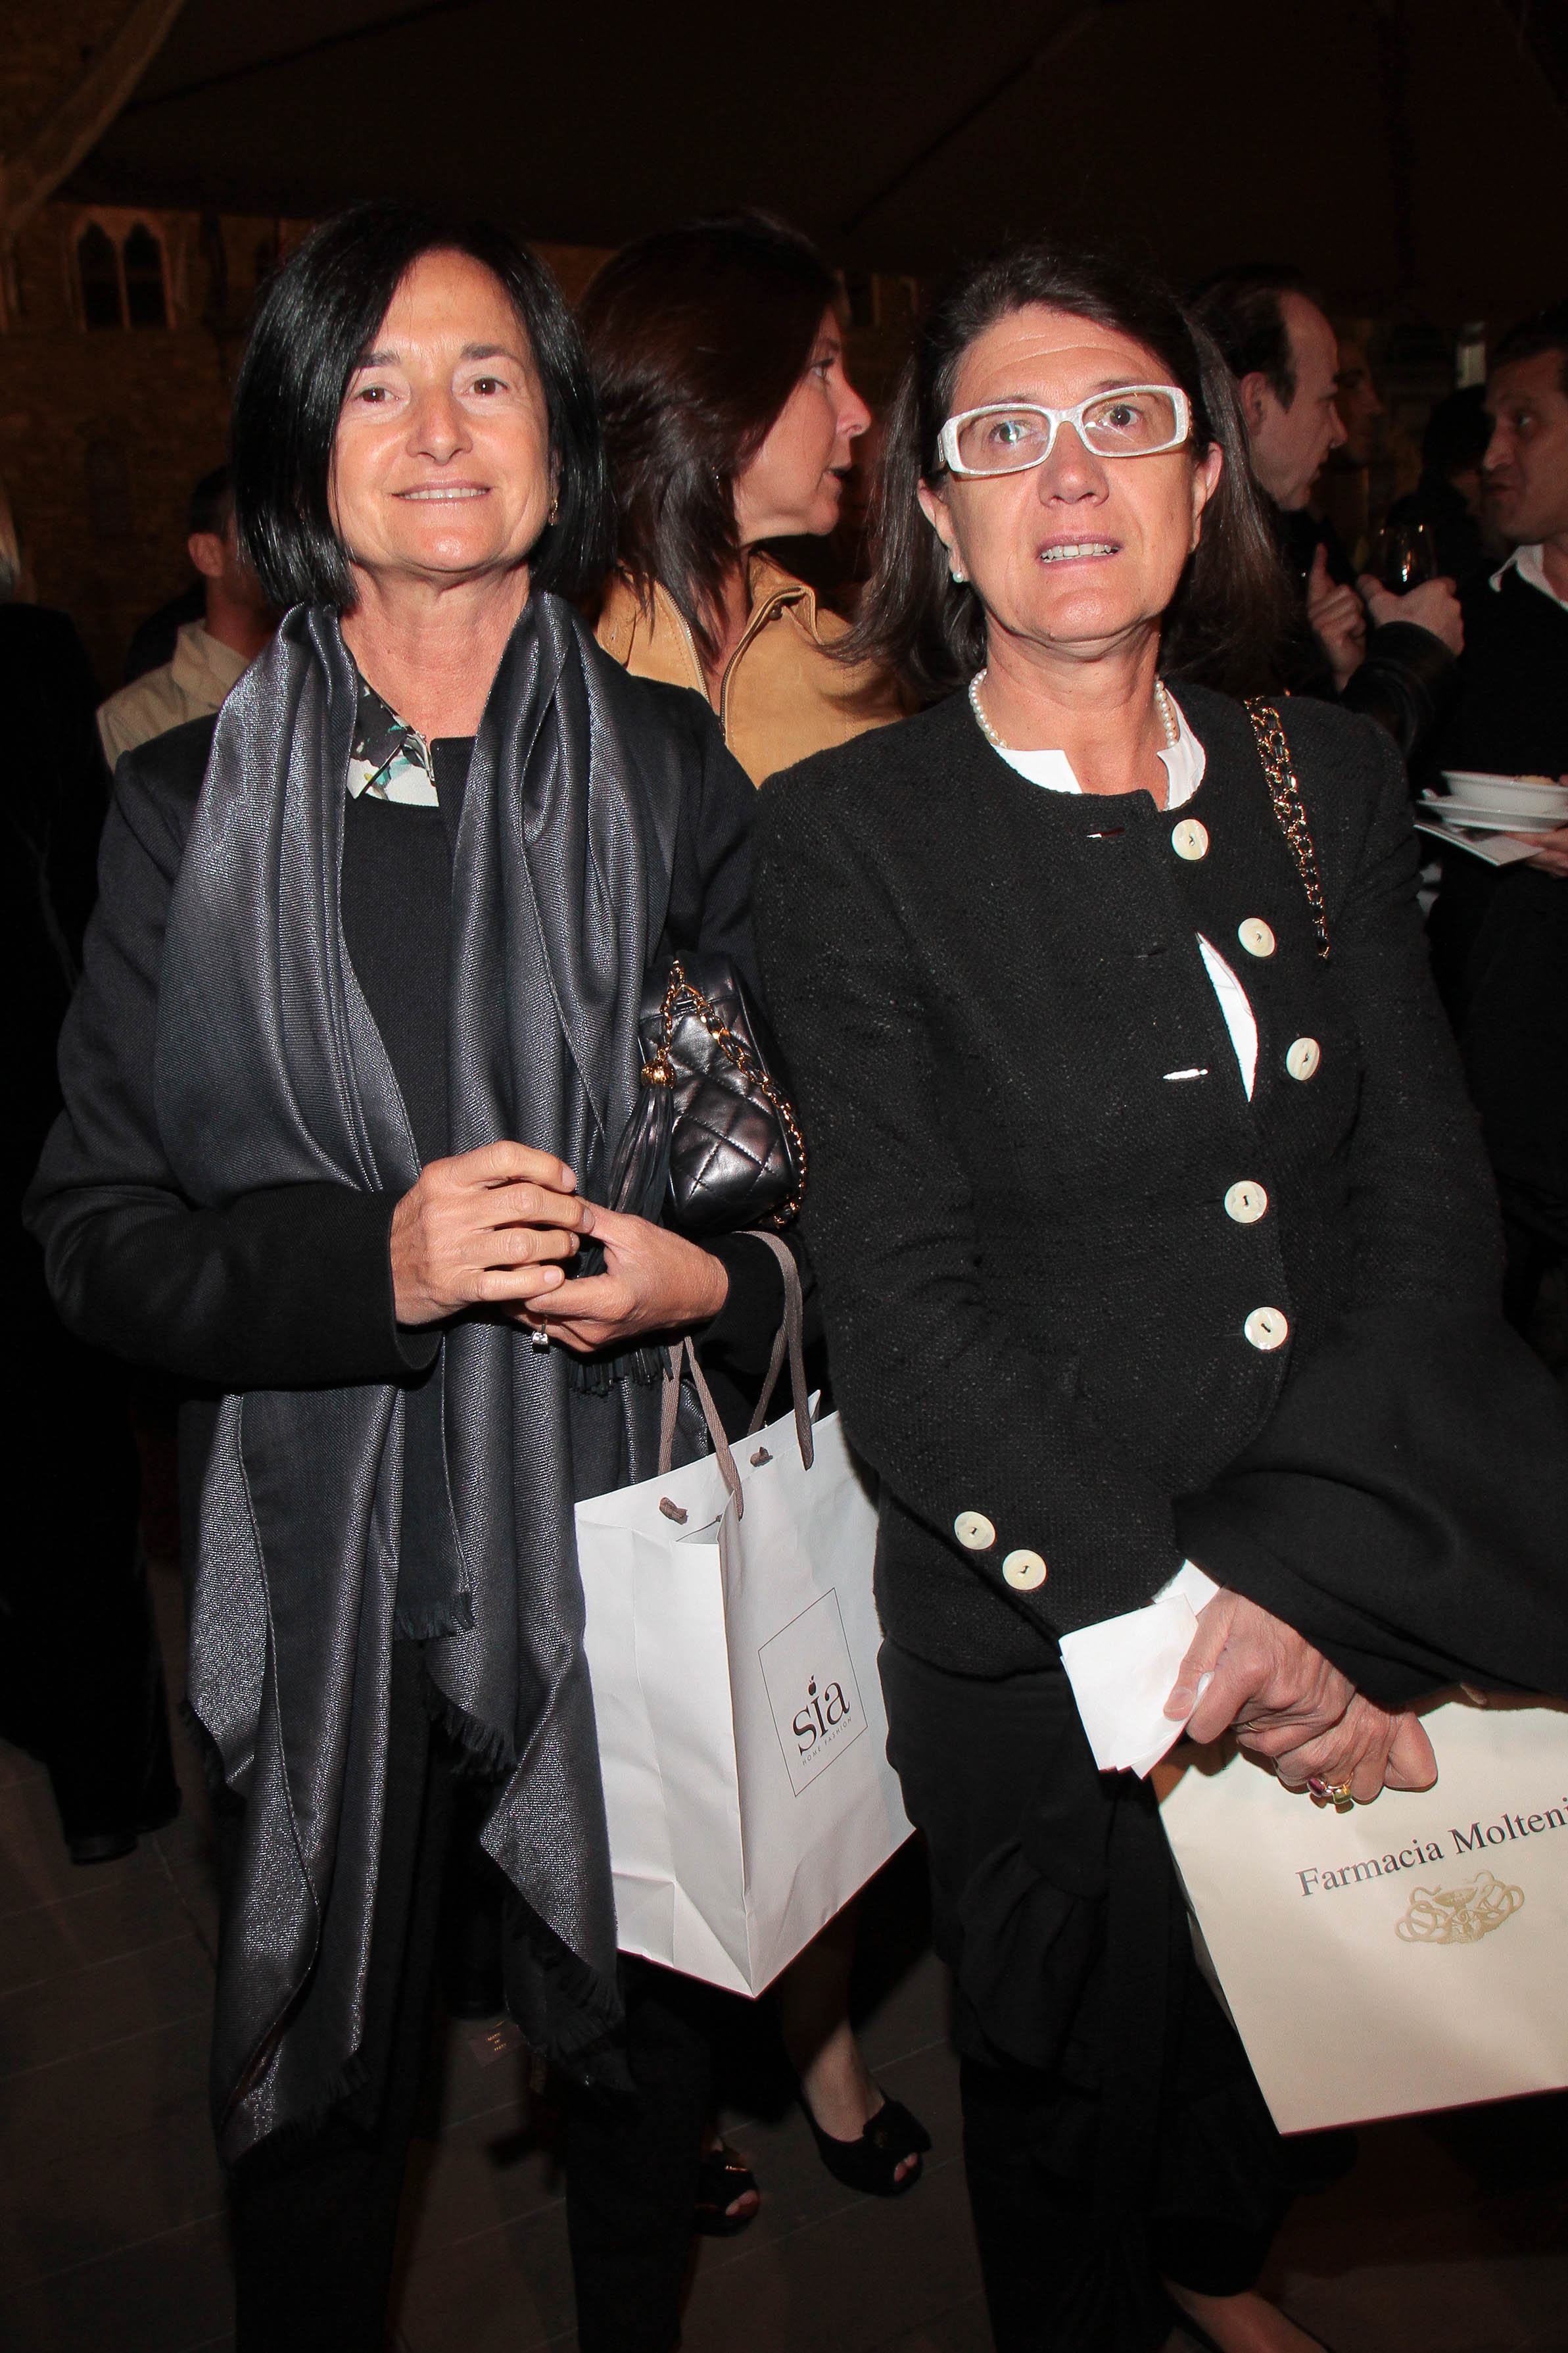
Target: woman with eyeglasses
[729, 421]
[1152, 1225]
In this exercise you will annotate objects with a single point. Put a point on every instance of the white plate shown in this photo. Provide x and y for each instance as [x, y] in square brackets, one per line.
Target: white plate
[1497, 820]
[1486, 825]
[1516, 793]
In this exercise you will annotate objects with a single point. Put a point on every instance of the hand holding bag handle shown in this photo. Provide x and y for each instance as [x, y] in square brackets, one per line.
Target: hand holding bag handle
[789, 1342]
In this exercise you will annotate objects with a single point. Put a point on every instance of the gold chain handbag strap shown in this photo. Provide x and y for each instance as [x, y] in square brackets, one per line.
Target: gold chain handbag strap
[680, 996]
[1286, 795]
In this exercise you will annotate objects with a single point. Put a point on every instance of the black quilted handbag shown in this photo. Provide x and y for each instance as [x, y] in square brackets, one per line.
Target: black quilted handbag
[713, 1144]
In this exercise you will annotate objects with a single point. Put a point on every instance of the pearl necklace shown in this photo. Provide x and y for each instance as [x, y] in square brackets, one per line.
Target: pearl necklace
[1163, 704]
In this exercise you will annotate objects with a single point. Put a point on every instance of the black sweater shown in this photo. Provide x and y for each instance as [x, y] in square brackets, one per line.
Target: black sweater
[1034, 1298]
[1512, 718]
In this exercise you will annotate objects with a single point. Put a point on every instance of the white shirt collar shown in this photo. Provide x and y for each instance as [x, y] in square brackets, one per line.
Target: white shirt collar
[1530, 562]
[1184, 764]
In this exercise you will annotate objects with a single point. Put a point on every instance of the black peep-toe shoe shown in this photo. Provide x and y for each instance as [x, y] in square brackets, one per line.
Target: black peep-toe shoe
[721, 2179]
[870, 2164]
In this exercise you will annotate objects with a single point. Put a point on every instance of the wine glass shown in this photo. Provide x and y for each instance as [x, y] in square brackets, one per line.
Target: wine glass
[1406, 554]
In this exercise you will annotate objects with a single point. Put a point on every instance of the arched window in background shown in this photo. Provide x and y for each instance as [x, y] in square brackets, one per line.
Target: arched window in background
[144, 298]
[98, 265]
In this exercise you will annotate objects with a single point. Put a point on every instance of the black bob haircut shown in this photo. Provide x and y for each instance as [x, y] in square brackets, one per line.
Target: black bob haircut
[1233, 607]
[317, 318]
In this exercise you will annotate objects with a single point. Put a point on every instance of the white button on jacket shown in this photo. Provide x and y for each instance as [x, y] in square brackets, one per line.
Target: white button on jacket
[974, 1532]
[1190, 838]
[1302, 1057]
[1266, 1327]
[1024, 1570]
[1246, 1202]
[1255, 936]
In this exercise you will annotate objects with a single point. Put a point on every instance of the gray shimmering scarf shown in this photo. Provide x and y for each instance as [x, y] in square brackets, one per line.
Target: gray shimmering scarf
[270, 1070]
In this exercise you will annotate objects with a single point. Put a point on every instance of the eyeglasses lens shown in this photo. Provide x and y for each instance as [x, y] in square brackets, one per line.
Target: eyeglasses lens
[1118, 425]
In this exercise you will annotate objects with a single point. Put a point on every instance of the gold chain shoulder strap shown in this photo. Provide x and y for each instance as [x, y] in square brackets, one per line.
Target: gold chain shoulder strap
[1286, 795]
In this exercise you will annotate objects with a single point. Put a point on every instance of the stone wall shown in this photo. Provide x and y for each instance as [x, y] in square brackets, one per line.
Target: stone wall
[104, 430]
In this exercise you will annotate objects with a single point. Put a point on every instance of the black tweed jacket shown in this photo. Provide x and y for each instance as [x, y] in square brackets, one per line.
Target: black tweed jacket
[1024, 1116]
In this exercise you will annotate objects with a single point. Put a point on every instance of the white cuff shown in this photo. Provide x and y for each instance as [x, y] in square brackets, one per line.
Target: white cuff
[1122, 1671]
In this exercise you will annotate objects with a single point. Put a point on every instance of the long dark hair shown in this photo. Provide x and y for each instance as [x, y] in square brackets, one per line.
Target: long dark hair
[697, 337]
[317, 319]
[1233, 605]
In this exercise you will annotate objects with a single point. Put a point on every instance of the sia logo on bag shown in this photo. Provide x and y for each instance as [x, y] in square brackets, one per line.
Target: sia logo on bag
[1458, 1916]
[812, 1691]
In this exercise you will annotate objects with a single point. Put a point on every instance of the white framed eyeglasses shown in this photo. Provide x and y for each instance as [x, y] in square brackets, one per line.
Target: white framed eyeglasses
[1008, 436]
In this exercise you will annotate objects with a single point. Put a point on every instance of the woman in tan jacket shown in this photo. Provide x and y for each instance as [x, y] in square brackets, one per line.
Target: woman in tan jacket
[719, 363]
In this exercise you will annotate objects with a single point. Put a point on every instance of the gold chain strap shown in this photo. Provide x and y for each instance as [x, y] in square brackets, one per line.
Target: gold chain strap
[680, 996]
[1286, 794]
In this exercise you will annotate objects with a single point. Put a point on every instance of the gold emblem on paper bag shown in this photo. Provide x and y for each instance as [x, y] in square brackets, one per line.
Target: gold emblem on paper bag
[1458, 1916]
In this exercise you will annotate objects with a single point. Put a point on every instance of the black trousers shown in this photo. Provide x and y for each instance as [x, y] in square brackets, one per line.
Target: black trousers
[315, 2220]
[1113, 2134]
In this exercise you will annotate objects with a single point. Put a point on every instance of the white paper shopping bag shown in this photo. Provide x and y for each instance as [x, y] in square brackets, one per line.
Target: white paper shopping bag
[732, 1639]
[1403, 1955]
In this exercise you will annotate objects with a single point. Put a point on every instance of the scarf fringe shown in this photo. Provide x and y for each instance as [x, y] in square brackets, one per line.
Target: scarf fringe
[429, 1621]
[487, 1755]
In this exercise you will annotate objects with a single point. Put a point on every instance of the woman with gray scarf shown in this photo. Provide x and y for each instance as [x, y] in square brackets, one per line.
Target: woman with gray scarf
[355, 1044]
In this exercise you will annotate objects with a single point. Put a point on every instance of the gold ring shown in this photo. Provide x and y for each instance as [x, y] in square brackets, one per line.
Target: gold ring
[1337, 1792]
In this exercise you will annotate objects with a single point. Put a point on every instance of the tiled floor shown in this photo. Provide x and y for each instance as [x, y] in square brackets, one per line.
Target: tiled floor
[1451, 2236]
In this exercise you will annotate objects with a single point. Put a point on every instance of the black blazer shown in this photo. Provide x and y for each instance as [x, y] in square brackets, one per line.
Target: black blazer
[1035, 1299]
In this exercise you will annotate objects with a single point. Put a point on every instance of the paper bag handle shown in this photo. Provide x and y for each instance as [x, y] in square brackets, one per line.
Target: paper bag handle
[790, 1342]
[671, 1407]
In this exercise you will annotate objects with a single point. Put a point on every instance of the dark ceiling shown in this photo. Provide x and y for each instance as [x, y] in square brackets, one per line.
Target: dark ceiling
[1411, 153]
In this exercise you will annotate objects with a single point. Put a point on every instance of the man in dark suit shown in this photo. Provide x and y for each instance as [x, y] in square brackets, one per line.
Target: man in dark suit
[1500, 938]
[1391, 658]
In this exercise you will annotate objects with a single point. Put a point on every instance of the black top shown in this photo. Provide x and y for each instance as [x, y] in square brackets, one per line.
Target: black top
[1035, 1299]
[396, 891]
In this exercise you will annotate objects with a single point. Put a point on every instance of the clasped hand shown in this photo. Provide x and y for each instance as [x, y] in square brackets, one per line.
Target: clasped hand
[1288, 1703]
[496, 1228]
